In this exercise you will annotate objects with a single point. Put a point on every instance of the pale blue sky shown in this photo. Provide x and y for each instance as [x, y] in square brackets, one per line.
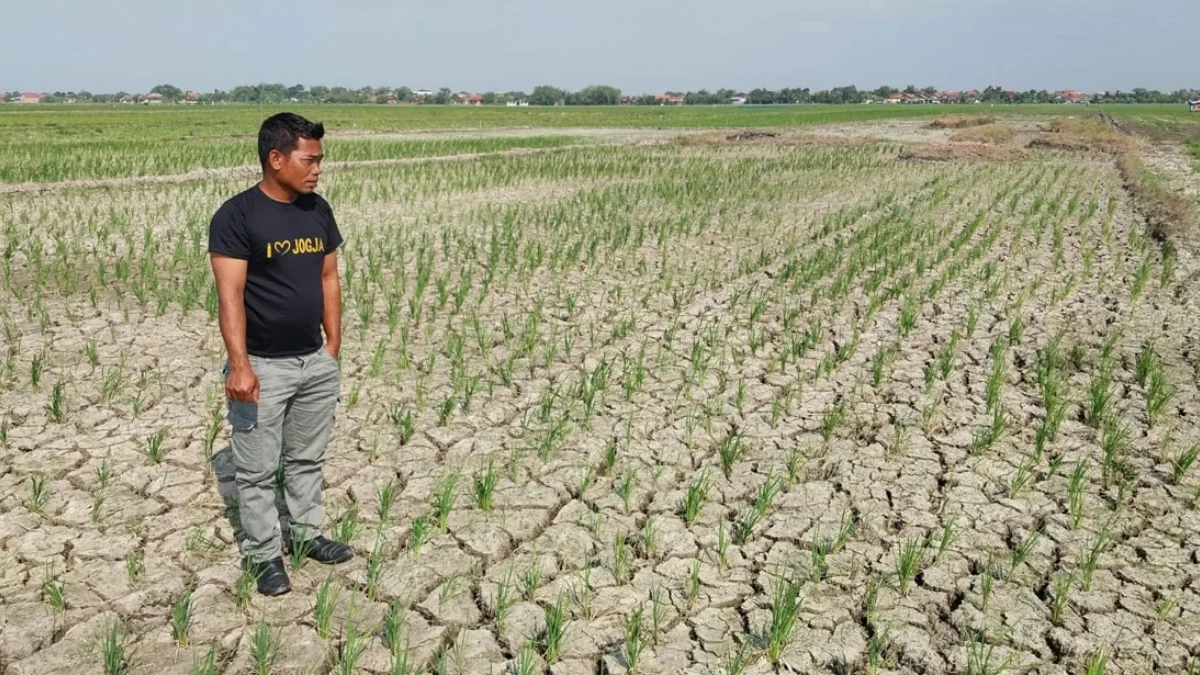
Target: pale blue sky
[637, 45]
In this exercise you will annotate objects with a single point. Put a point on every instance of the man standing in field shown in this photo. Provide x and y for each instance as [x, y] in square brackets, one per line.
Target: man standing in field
[273, 250]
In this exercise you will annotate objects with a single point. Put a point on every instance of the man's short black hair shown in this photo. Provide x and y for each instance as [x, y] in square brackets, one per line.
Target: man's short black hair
[283, 132]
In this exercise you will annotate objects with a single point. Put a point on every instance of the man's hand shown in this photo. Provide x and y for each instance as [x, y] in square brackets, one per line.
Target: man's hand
[242, 385]
[333, 350]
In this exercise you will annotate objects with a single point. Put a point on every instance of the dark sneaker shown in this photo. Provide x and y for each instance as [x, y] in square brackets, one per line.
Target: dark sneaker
[324, 551]
[272, 577]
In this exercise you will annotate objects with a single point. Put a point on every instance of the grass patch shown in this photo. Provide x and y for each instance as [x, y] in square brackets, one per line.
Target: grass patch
[993, 134]
[1168, 214]
[962, 121]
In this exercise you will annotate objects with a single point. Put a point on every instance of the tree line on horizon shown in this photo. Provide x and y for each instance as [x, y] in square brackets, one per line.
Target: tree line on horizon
[547, 95]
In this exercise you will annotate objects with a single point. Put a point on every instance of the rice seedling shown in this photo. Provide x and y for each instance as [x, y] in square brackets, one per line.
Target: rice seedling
[181, 617]
[695, 497]
[1021, 478]
[1090, 558]
[244, 588]
[135, 566]
[1146, 363]
[730, 450]
[264, 648]
[1182, 463]
[39, 494]
[208, 664]
[300, 549]
[375, 560]
[1159, 394]
[635, 639]
[556, 624]
[981, 655]
[324, 606]
[1098, 664]
[1114, 443]
[626, 486]
[785, 609]
[57, 407]
[53, 593]
[154, 446]
[527, 662]
[1023, 550]
[354, 643]
[947, 539]
[1099, 398]
[484, 486]
[1060, 596]
[531, 580]
[1075, 493]
[1164, 606]
[444, 497]
[987, 437]
[908, 562]
[115, 659]
[345, 526]
[693, 584]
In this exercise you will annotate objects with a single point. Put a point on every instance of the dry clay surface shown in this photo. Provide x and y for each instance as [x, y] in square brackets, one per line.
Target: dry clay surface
[722, 408]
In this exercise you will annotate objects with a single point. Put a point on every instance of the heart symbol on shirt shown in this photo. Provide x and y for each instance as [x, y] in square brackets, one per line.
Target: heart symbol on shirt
[283, 246]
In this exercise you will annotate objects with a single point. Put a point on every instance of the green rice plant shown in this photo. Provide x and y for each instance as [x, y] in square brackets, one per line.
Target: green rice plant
[1090, 558]
[987, 437]
[52, 592]
[484, 485]
[375, 560]
[39, 493]
[345, 527]
[635, 639]
[58, 402]
[649, 538]
[444, 498]
[730, 450]
[154, 446]
[1021, 553]
[884, 356]
[1164, 606]
[135, 566]
[503, 601]
[947, 539]
[394, 625]
[722, 545]
[697, 494]
[1147, 363]
[1016, 329]
[527, 662]
[908, 317]
[1075, 493]
[1021, 478]
[1060, 597]
[208, 664]
[181, 617]
[1098, 664]
[324, 606]
[980, 655]
[300, 549]
[908, 562]
[1114, 443]
[626, 486]
[1099, 398]
[994, 384]
[833, 419]
[735, 663]
[693, 584]
[531, 580]
[658, 612]
[1182, 463]
[795, 462]
[785, 609]
[556, 629]
[115, 658]
[405, 423]
[621, 558]
[354, 643]
[37, 366]
[264, 648]
[1159, 394]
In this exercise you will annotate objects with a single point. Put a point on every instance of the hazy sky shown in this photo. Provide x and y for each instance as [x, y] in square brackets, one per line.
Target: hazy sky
[640, 46]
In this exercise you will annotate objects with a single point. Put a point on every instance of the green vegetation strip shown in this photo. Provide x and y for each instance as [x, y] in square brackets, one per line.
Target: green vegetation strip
[51, 161]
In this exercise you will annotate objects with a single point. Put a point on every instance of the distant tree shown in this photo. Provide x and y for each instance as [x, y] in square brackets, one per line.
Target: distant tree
[318, 93]
[546, 95]
[761, 97]
[297, 91]
[598, 95]
[645, 99]
[169, 92]
[516, 96]
[490, 98]
[442, 97]
[404, 94]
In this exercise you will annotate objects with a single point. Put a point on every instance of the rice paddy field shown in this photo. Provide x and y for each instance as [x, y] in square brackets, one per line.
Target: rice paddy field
[623, 392]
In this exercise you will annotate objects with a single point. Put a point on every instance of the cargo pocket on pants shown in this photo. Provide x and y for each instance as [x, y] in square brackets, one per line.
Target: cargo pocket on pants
[243, 415]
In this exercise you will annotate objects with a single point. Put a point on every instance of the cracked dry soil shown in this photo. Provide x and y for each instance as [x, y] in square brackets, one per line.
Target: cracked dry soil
[796, 408]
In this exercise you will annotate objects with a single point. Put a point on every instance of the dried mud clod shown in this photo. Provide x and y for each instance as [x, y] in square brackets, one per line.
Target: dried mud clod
[962, 121]
[962, 151]
[751, 136]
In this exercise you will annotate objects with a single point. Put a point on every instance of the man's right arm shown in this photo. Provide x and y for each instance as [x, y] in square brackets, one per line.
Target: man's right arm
[230, 276]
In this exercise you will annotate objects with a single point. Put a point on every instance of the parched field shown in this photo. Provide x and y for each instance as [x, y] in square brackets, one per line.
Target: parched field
[620, 402]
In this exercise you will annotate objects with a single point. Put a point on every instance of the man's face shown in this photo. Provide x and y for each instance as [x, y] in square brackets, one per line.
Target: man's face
[300, 170]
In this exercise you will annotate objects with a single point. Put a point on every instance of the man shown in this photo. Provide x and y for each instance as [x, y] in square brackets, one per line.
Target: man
[273, 251]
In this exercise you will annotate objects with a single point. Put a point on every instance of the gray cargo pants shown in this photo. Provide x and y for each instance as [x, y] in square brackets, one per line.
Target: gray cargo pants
[293, 419]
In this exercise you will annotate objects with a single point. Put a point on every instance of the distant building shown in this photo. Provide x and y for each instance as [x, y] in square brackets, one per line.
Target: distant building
[1194, 106]
[895, 97]
[155, 99]
[3, 96]
[520, 103]
[739, 99]
[668, 99]
[31, 97]
[475, 99]
[192, 96]
[1072, 96]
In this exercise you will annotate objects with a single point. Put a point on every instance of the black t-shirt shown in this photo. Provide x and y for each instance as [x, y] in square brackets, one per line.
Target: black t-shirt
[285, 245]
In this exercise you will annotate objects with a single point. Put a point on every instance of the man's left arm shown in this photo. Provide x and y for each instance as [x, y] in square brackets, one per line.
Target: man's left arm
[331, 285]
